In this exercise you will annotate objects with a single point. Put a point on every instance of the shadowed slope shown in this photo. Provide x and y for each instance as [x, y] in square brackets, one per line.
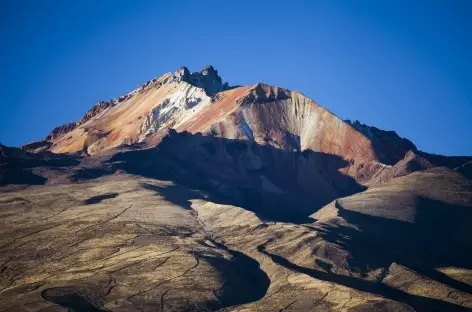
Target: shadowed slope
[277, 184]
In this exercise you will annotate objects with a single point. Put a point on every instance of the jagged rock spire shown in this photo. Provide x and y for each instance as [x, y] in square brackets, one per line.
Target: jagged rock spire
[207, 79]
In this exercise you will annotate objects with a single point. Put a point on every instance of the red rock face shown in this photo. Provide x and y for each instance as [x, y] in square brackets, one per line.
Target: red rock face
[282, 119]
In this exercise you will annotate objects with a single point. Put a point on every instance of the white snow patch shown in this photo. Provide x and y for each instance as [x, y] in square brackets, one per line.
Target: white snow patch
[247, 130]
[174, 109]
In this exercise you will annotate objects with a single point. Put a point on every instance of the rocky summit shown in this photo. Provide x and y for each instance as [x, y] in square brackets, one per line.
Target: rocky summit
[189, 194]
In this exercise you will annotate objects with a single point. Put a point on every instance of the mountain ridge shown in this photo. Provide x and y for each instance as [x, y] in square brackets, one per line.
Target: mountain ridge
[201, 102]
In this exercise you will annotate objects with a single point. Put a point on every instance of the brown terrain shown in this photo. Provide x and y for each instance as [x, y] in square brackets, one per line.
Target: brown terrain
[188, 194]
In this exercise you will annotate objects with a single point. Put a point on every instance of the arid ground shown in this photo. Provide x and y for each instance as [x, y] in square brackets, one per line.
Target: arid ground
[128, 243]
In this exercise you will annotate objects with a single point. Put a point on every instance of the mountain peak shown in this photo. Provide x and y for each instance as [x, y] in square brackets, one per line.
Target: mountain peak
[207, 79]
[262, 93]
[194, 102]
[209, 70]
[182, 73]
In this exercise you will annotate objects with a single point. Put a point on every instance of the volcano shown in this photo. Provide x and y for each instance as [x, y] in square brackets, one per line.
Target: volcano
[189, 194]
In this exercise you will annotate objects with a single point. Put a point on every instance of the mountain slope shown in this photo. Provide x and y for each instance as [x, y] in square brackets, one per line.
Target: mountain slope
[188, 194]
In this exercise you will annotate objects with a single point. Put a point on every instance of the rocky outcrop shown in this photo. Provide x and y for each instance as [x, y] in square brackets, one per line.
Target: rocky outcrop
[263, 93]
[96, 109]
[410, 163]
[413, 161]
[207, 79]
[61, 130]
[36, 147]
[388, 145]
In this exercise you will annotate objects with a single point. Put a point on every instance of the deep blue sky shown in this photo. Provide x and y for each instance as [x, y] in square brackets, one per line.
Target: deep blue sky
[398, 65]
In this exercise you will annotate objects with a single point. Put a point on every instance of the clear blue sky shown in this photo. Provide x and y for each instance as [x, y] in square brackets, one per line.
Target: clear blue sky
[398, 65]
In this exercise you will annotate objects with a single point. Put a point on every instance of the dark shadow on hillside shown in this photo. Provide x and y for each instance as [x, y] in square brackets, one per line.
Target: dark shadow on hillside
[276, 184]
[17, 166]
[419, 303]
[84, 174]
[99, 198]
[439, 237]
[245, 281]
[18, 176]
[69, 298]
[175, 194]
[24, 160]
